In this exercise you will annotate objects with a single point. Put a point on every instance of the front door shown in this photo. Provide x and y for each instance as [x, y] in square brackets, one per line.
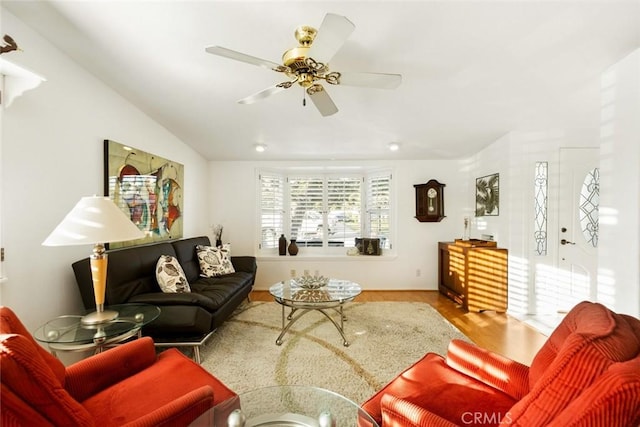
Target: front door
[578, 227]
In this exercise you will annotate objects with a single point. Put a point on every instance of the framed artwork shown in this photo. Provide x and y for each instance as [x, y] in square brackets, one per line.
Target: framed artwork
[148, 189]
[488, 195]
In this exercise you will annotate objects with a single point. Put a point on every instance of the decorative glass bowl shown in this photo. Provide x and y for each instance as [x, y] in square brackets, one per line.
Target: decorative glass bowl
[311, 282]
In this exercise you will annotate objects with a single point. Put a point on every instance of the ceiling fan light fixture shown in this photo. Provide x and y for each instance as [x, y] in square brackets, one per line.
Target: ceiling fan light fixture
[308, 64]
[260, 148]
[305, 35]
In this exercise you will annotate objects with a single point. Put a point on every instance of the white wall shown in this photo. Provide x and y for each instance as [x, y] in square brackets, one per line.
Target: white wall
[234, 205]
[51, 156]
[616, 131]
[619, 243]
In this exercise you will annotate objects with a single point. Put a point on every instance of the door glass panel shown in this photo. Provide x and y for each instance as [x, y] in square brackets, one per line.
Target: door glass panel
[589, 202]
[540, 208]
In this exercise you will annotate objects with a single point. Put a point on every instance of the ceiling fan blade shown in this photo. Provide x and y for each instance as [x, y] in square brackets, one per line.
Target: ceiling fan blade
[265, 93]
[374, 80]
[232, 54]
[322, 100]
[333, 32]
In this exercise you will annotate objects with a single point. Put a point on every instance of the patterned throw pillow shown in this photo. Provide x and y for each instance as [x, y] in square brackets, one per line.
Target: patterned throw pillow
[170, 275]
[214, 261]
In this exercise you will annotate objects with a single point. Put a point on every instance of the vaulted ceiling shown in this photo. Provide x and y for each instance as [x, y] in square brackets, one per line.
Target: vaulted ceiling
[472, 70]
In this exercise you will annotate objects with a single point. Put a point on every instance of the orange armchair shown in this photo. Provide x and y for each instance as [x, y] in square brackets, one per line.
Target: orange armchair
[586, 374]
[127, 385]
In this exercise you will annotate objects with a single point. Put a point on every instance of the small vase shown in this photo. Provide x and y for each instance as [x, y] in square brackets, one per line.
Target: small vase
[467, 228]
[293, 248]
[282, 245]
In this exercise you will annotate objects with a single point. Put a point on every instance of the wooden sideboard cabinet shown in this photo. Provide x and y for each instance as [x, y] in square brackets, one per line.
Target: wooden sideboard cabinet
[473, 273]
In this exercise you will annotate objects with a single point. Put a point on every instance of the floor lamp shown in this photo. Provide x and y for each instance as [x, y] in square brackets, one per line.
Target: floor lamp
[95, 220]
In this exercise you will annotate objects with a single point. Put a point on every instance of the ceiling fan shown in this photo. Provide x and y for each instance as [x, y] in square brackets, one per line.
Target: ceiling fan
[307, 64]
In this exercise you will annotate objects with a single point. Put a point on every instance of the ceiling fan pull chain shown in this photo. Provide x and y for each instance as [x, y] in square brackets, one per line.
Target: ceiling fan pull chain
[304, 98]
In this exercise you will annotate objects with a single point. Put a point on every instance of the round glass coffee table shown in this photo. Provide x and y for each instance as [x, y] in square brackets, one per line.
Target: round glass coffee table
[332, 296]
[290, 405]
[68, 333]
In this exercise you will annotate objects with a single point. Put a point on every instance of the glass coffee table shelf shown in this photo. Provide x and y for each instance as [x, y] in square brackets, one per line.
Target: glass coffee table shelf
[290, 405]
[68, 333]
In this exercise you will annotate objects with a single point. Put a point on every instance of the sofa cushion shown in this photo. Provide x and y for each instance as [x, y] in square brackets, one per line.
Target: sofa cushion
[170, 276]
[163, 300]
[186, 253]
[214, 261]
[180, 322]
[219, 289]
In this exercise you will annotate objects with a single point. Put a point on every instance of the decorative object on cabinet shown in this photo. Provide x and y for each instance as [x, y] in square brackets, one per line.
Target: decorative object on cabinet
[430, 201]
[293, 247]
[217, 234]
[473, 273]
[367, 246]
[466, 234]
[282, 245]
[488, 195]
[148, 189]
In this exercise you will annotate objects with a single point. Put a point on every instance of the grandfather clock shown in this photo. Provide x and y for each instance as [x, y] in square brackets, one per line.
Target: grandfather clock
[430, 201]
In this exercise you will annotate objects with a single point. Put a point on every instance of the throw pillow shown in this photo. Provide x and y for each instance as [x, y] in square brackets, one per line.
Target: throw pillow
[214, 261]
[170, 275]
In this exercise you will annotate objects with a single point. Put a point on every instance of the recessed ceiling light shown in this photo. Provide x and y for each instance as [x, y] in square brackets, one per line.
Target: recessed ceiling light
[260, 148]
[394, 146]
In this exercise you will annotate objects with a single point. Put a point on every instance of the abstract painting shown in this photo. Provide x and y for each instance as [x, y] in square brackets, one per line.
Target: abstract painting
[488, 195]
[148, 189]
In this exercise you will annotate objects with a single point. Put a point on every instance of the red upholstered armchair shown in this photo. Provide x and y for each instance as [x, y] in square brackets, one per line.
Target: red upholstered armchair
[127, 385]
[586, 374]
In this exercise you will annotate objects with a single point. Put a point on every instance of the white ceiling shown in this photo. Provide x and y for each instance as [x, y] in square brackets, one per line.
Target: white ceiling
[472, 70]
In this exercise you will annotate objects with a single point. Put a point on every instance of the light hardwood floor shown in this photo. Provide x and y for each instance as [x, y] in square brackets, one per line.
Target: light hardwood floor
[494, 331]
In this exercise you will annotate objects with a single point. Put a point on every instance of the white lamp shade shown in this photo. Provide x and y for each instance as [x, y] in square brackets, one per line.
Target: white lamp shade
[93, 220]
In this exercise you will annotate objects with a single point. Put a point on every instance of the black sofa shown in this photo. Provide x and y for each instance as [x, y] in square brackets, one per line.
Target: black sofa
[186, 318]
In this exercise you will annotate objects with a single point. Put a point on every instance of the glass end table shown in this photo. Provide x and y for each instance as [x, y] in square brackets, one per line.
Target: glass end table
[68, 333]
[292, 405]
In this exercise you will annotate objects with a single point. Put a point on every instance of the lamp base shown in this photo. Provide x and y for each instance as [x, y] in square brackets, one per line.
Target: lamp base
[98, 317]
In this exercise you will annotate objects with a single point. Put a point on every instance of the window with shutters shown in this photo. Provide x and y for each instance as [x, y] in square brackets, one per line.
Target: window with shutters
[378, 208]
[324, 211]
[271, 209]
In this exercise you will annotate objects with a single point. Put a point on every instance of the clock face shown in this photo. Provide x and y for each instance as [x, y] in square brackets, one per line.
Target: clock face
[432, 193]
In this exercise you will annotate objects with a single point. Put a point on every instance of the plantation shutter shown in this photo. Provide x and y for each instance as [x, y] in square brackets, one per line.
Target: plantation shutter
[306, 208]
[271, 209]
[344, 211]
[378, 208]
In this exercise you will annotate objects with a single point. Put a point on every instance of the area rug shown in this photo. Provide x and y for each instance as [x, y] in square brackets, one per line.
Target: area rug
[385, 338]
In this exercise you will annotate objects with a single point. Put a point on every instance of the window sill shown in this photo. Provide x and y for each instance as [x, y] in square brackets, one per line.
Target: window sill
[327, 257]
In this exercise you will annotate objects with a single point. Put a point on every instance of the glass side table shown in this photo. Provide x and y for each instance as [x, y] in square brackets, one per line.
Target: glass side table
[68, 333]
[287, 405]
